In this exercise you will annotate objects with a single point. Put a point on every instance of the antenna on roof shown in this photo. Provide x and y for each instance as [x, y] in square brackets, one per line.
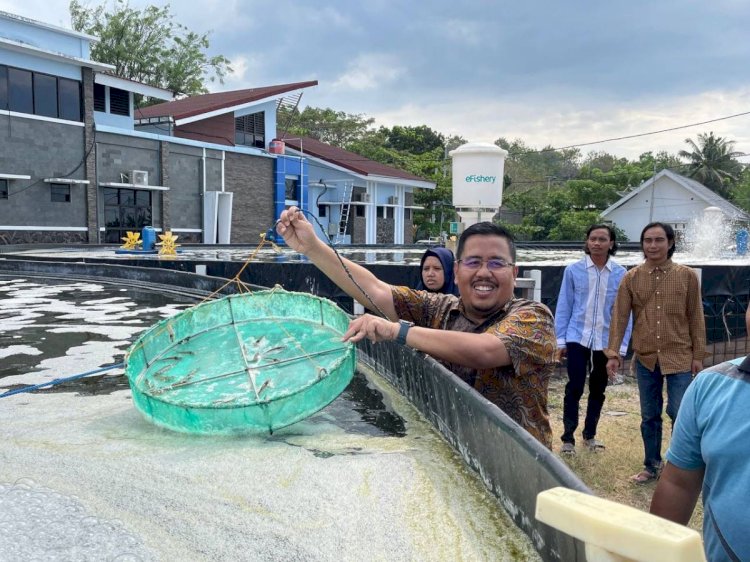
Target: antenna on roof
[290, 103]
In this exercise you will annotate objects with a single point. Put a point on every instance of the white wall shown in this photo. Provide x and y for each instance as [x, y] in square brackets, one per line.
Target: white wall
[672, 204]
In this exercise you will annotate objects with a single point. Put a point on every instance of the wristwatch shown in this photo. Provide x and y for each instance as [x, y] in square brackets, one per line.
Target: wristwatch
[402, 331]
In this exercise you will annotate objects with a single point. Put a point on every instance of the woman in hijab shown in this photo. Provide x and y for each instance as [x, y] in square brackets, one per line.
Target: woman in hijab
[436, 272]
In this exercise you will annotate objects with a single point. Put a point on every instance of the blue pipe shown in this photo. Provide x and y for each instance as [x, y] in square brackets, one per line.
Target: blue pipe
[58, 381]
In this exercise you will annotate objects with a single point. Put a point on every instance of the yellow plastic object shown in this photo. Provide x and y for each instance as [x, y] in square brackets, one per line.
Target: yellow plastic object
[132, 241]
[617, 533]
[168, 245]
[253, 362]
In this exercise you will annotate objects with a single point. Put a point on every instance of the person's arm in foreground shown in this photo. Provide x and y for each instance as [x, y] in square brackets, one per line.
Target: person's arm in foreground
[298, 233]
[479, 351]
[676, 493]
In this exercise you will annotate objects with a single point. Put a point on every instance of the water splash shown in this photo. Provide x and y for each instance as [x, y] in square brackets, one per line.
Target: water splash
[710, 235]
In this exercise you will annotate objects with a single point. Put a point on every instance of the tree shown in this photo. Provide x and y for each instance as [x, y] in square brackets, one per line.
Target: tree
[149, 46]
[326, 125]
[416, 140]
[712, 162]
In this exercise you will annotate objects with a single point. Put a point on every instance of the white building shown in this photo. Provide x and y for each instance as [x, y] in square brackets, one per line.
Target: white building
[669, 198]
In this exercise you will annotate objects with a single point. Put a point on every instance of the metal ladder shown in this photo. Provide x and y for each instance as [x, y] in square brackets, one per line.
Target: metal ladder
[346, 207]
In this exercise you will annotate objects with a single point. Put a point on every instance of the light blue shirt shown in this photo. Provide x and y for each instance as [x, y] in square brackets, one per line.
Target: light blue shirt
[712, 431]
[584, 305]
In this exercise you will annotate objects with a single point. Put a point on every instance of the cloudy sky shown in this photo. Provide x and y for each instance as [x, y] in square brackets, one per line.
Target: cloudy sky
[550, 72]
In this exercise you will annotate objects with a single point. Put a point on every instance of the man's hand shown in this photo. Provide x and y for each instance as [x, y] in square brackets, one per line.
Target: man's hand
[697, 366]
[560, 354]
[296, 230]
[371, 327]
[613, 365]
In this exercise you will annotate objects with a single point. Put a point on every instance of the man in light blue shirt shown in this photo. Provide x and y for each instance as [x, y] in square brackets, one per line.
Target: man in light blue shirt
[708, 450]
[582, 317]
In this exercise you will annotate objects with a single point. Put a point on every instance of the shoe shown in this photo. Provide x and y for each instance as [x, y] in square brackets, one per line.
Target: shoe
[644, 477]
[593, 444]
[568, 449]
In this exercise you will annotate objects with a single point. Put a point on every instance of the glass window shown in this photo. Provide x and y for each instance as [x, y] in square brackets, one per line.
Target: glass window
[127, 197]
[3, 87]
[250, 130]
[360, 211]
[3, 189]
[100, 103]
[119, 102]
[60, 192]
[69, 99]
[142, 197]
[322, 210]
[381, 212]
[111, 216]
[407, 214]
[20, 95]
[127, 217]
[389, 212]
[45, 95]
[291, 191]
[110, 196]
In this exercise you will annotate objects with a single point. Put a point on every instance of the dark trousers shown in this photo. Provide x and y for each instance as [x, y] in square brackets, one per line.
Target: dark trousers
[583, 361]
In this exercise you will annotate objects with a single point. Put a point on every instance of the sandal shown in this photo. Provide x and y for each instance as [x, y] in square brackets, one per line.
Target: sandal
[644, 477]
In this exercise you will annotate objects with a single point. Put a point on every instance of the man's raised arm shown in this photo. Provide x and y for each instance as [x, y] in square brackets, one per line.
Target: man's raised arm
[299, 234]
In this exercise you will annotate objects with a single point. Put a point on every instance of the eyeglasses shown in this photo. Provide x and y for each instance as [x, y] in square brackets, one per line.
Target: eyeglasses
[493, 264]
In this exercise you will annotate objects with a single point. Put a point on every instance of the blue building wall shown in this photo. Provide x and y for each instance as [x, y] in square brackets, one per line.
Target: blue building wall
[290, 166]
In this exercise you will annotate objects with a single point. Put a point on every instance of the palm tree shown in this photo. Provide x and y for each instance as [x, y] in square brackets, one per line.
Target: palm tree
[712, 162]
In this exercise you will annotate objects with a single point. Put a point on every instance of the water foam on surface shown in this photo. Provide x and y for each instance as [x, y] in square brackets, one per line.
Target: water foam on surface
[39, 523]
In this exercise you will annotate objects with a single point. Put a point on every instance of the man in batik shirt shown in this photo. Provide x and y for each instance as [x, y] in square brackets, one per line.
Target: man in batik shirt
[502, 346]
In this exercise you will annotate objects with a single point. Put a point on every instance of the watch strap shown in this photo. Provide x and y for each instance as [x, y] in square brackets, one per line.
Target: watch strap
[402, 331]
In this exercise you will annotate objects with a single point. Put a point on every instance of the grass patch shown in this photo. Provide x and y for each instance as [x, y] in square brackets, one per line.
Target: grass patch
[608, 472]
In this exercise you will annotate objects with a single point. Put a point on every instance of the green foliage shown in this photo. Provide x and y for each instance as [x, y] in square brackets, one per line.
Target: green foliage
[713, 163]
[415, 140]
[148, 46]
[332, 127]
[573, 225]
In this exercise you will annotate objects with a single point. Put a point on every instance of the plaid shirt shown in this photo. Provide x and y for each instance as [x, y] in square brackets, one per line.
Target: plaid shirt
[527, 330]
[668, 323]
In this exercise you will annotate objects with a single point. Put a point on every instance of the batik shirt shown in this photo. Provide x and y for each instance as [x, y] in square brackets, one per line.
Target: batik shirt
[527, 330]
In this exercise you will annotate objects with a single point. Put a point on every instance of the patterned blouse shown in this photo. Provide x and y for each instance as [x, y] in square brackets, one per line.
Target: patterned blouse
[528, 332]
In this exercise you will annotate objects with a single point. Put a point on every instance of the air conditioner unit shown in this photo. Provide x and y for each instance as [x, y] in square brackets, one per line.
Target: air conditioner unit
[365, 198]
[139, 177]
[333, 228]
[393, 200]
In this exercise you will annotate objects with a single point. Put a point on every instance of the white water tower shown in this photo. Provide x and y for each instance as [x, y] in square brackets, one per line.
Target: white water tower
[478, 169]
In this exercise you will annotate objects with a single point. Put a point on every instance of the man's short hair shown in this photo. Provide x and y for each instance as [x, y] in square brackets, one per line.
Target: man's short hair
[612, 237]
[668, 230]
[487, 229]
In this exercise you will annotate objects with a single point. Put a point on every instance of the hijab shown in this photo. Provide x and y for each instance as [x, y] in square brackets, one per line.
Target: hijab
[446, 260]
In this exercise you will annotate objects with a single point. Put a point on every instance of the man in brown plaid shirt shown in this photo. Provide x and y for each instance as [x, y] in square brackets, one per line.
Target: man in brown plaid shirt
[669, 335]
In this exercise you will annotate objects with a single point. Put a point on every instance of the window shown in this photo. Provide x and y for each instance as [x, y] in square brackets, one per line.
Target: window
[60, 192]
[291, 191]
[3, 189]
[69, 99]
[3, 87]
[100, 103]
[39, 94]
[125, 209]
[119, 102]
[322, 211]
[250, 130]
[389, 212]
[407, 214]
[359, 211]
[20, 94]
[380, 212]
[45, 95]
